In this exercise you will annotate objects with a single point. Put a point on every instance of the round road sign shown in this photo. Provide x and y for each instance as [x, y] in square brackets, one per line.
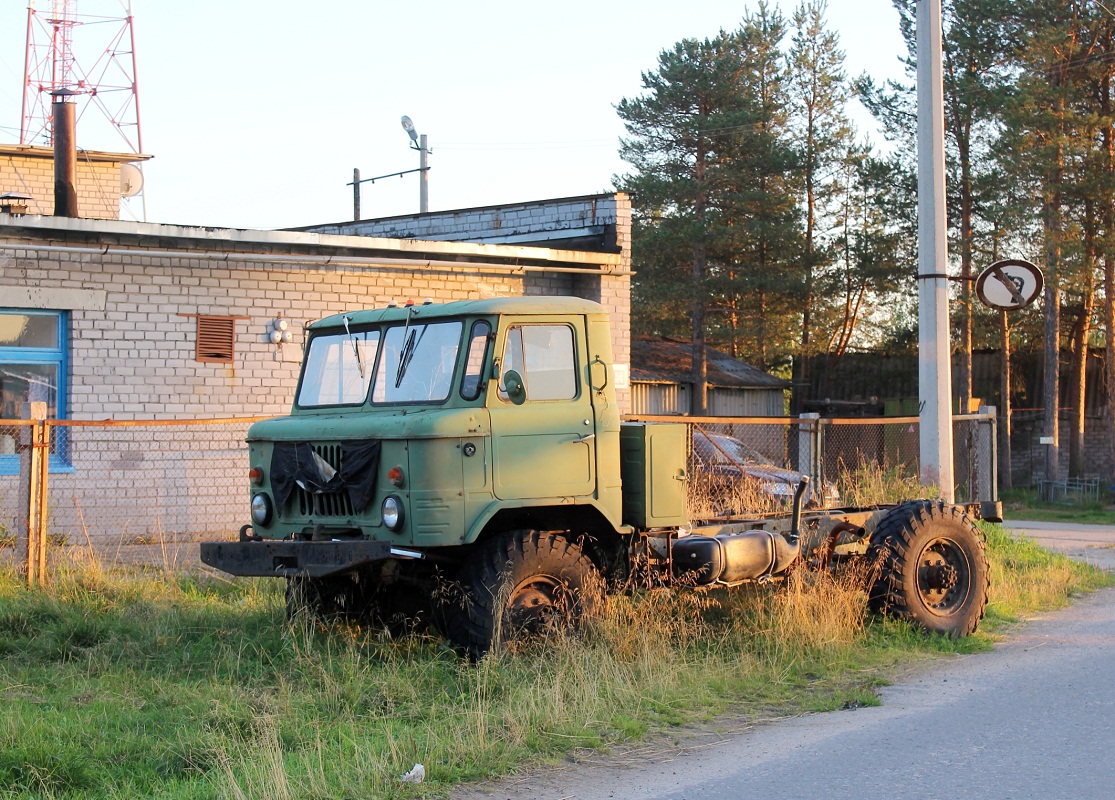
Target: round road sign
[1009, 285]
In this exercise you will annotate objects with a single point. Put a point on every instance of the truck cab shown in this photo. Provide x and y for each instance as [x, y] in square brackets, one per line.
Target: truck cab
[424, 425]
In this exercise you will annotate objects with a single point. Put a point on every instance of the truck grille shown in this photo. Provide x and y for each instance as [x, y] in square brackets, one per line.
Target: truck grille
[327, 504]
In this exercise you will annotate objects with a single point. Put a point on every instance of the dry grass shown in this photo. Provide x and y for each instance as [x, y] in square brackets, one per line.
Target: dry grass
[867, 484]
[709, 497]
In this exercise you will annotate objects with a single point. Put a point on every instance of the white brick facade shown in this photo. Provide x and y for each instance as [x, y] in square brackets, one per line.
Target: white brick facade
[132, 292]
[593, 223]
[28, 169]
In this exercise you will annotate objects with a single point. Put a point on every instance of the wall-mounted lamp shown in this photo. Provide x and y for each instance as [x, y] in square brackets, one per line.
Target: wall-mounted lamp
[278, 333]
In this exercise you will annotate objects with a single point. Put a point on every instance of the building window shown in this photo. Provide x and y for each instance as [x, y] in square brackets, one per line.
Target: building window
[32, 361]
[32, 370]
[216, 339]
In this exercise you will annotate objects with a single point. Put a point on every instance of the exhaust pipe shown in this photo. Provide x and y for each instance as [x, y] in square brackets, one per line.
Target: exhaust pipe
[731, 558]
[795, 520]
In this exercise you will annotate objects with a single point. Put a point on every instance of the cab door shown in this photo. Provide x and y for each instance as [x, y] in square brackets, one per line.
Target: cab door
[543, 425]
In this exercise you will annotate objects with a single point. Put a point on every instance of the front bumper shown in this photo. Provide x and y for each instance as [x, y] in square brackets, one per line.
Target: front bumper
[287, 558]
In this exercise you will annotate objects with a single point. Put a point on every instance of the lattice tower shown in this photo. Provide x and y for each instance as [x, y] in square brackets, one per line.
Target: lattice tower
[92, 55]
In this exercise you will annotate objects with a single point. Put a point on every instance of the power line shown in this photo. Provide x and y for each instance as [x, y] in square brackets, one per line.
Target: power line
[566, 145]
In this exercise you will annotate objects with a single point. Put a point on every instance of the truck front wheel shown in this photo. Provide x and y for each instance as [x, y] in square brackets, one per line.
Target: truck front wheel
[931, 567]
[519, 586]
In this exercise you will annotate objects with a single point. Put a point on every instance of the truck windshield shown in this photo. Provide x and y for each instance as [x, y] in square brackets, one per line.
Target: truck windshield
[338, 369]
[417, 363]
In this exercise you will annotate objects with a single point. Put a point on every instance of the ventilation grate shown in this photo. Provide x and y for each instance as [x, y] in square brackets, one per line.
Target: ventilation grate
[216, 338]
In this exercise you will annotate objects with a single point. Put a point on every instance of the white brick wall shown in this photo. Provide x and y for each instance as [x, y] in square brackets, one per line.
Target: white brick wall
[31, 171]
[132, 352]
[526, 221]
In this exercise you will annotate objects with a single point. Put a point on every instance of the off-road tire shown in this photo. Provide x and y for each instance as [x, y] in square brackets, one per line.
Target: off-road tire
[518, 587]
[930, 567]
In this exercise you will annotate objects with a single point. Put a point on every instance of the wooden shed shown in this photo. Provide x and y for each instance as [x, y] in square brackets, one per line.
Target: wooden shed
[662, 382]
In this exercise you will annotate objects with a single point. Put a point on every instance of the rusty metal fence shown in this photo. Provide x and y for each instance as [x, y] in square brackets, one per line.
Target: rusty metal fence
[122, 486]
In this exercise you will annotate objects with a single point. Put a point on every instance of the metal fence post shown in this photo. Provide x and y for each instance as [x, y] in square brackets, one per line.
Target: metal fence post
[809, 447]
[34, 457]
[987, 469]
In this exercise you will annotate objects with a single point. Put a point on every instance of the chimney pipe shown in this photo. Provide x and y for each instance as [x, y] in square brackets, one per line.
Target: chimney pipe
[65, 154]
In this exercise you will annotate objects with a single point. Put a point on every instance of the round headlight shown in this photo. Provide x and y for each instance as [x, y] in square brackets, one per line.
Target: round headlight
[261, 509]
[393, 512]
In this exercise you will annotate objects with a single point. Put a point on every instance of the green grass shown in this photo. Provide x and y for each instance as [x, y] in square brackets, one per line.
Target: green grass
[117, 684]
[1024, 504]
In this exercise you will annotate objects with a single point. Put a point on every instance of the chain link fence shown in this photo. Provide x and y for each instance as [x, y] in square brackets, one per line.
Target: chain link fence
[132, 491]
[146, 491]
[858, 461]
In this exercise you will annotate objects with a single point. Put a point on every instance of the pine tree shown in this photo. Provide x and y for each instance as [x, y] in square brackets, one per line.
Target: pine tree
[824, 138]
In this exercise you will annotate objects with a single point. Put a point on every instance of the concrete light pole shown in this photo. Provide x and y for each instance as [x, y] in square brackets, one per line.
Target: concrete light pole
[419, 143]
[934, 367]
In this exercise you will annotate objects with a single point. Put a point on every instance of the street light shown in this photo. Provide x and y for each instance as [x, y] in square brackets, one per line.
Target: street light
[419, 143]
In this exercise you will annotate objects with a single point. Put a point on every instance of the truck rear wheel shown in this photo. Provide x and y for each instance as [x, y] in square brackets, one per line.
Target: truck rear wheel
[931, 567]
[518, 587]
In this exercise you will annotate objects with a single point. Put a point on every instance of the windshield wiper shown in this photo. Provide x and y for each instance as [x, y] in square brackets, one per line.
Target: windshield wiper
[355, 347]
[410, 345]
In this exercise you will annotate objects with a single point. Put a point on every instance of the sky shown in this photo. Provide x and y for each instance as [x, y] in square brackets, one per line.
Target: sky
[257, 111]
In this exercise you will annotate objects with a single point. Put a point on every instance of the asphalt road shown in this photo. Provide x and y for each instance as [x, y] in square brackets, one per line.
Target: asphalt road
[1035, 718]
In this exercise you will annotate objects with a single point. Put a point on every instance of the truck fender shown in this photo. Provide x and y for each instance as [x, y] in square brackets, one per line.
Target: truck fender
[589, 513]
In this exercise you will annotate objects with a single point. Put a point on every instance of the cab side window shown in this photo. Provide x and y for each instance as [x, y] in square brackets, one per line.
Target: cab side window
[545, 358]
[471, 383]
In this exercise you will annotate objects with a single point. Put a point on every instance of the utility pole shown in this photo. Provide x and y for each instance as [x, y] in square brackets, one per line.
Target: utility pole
[355, 195]
[934, 368]
[424, 175]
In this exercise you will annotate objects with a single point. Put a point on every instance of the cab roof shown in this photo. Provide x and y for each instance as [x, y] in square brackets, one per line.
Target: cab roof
[460, 308]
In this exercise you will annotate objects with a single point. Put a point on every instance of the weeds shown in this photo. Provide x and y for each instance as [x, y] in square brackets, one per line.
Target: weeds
[710, 495]
[866, 483]
[119, 683]
[1027, 504]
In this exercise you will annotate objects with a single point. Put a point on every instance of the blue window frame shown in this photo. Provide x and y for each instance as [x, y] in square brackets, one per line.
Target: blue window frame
[33, 367]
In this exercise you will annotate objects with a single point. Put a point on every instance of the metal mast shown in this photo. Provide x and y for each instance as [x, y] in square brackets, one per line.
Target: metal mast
[92, 56]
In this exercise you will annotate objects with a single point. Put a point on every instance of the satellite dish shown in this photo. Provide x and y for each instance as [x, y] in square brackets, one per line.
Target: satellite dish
[131, 180]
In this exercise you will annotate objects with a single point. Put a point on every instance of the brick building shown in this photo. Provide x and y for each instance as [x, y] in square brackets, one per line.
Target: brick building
[29, 170]
[106, 319]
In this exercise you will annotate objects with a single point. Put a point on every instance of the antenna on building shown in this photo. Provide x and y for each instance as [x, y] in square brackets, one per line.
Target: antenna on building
[93, 57]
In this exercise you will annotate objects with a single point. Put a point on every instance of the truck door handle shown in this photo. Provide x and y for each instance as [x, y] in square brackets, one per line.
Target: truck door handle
[588, 437]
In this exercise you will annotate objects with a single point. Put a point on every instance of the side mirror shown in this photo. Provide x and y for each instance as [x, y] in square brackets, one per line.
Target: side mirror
[514, 386]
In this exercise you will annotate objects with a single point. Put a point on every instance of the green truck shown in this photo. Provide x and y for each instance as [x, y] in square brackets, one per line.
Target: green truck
[467, 462]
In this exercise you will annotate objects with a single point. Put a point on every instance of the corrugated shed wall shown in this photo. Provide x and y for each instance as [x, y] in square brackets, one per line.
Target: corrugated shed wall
[746, 402]
[659, 398]
[672, 398]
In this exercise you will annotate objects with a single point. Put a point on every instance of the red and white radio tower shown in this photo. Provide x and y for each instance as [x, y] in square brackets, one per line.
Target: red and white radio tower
[92, 57]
